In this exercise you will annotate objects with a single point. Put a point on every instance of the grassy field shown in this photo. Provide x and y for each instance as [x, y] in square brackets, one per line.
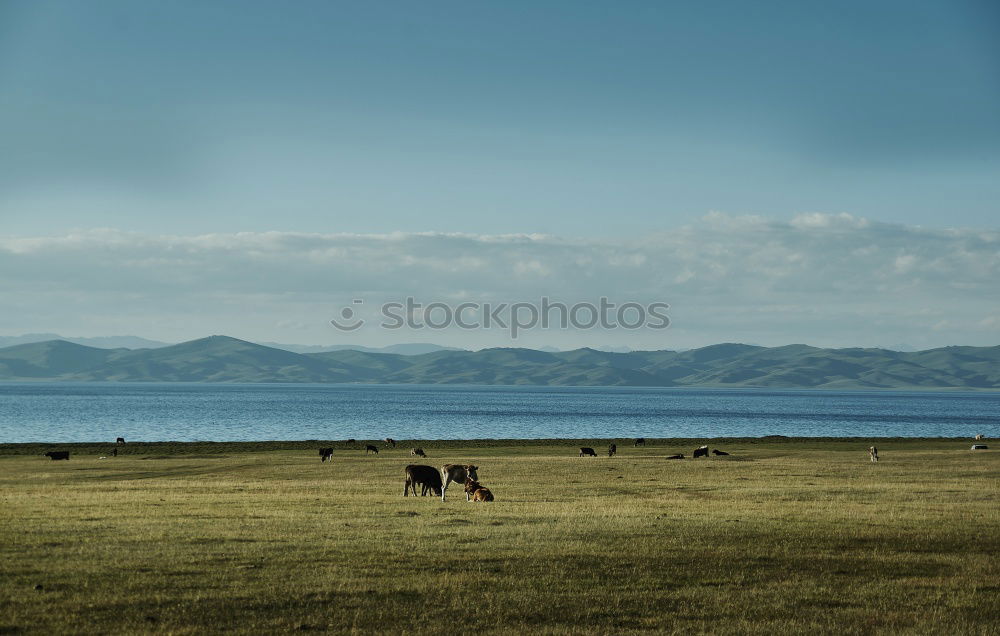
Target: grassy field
[783, 536]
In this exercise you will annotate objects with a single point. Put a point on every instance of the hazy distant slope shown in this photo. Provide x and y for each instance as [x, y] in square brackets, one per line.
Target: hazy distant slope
[224, 359]
[104, 342]
[406, 349]
[215, 359]
[53, 359]
[514, 366]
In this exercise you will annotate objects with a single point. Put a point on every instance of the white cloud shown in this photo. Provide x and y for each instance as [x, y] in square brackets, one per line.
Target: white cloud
[814, 278]
[818, 220]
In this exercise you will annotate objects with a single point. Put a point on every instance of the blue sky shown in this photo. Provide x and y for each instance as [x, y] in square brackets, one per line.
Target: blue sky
[579, 120]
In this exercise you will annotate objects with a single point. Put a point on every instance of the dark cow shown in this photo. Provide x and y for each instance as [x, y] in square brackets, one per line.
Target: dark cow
[352, 442]
[427, 476]
[584, 450]
[457, 473]
[54, 455]
[114, 452]
[371, 449]
[418, 452]
[120, 440]
[390, 442]
[325, 454]
[701, 451]
[612, 450]
[639, 441]
[677, 456]
[716, 451]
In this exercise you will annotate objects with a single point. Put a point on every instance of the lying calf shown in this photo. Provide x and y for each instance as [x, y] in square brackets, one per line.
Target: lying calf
[476, 490]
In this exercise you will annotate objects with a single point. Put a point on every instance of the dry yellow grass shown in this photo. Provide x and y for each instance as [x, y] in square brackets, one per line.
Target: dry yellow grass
[778, 538]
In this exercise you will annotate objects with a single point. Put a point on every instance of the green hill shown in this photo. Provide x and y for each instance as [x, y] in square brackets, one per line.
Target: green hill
[225, 359]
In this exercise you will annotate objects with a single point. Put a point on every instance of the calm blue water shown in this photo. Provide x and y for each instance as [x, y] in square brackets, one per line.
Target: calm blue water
[63, 412]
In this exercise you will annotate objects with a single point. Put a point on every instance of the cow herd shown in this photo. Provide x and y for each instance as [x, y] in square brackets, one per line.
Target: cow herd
[428, 478]
[701, 451]
[433, 482]
[57, 455]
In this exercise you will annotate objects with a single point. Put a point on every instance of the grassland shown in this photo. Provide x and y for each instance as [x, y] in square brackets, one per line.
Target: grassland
[784, 536]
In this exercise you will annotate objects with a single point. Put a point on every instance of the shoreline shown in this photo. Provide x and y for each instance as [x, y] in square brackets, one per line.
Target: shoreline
[343, 448]
[473, 386]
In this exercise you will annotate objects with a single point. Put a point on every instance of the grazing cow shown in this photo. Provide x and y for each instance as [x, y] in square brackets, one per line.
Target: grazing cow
[325, 454]
[120, 440]
[701, 451]
[457, 473]
[371, 449]
[427, 476]
[390, 442]
[584, 450]
[979, 437]
[980, 447]
[54, 455]
[477, 491]
[677, 456]
[639, 441]
[716, 451]
[612, 450]
[873, 453]
[418, 452]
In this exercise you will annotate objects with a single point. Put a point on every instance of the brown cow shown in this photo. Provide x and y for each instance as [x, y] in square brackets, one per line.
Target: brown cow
[418, 452]
[471, 486]
[390, 442]
[427, 476]
[478, 492]
[457, 473]
[371, 449]
[612, 450]
[483, 494]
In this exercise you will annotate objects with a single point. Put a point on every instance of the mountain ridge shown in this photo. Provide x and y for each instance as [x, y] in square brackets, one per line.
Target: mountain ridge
[227, 359]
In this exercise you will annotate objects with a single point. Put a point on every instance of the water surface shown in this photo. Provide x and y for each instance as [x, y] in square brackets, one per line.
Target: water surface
[88, 412]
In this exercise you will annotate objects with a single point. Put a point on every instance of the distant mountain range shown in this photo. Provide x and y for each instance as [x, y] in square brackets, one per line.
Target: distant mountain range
[135, 342]
[225, 359]
[405, 349]
[106, 342]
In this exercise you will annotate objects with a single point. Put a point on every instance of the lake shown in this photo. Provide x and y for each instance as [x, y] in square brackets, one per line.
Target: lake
[89, 412]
